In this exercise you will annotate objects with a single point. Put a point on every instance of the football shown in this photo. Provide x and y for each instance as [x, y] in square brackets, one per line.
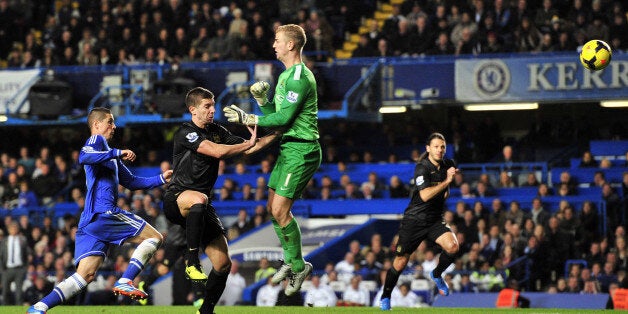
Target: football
[595, 55]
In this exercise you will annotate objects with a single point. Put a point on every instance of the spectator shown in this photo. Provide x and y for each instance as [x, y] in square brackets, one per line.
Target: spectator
[219, 46]
[466, 23]
[355, 249]
[531, 180]
[234, 287]
[507, 157]
[40, 288]
[378, 185]
[26, 160]
[613, 206]
[14, 259]
[156, 218]
[607, 277]
[599, 179]
[560, 246]
[247, 192]
[505, 181]
[539, 215]
[242, 224]
[405, 298]
[381, 252]
[498, 216]
[397, 188]
[364, 48]
[465, 191]
[573, 285]
[320, 295]
[45, 185]
[605, 163]
[587, 160]
[355, 295]
[11, 191]
[527, 35]
[267, 294]
[563, 190]
[369, 267]
[265, 270]
[367, 191]
[346, 267]
[351, 192]
[566, 178]
[590, 287]
[481, 190]
[515, 213]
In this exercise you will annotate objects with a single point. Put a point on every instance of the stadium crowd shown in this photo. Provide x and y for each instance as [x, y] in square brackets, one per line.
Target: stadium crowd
[66, 32]
[49, 33]
[491, 238]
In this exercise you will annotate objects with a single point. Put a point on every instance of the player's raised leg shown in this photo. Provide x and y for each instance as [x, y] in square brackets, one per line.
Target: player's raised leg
[149, 241]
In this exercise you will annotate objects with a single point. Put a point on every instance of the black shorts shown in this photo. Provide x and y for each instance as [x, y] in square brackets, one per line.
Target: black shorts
[212, 227]
[412, 232]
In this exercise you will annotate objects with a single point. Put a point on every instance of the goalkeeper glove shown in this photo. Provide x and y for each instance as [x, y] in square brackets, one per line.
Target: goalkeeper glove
[237, 115]
[259, 90]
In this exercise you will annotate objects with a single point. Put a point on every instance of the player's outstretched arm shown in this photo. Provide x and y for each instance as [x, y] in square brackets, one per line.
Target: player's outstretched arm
[215, 150]
[133, 182]
[262, 142]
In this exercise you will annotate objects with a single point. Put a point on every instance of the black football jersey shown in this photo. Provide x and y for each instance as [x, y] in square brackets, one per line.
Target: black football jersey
[426, 175]
[193, 170]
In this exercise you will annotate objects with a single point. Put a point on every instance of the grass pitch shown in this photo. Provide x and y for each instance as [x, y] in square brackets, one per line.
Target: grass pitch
[275, 310]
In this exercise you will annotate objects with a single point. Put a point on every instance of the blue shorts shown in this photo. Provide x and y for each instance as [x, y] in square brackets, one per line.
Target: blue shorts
[106, 229]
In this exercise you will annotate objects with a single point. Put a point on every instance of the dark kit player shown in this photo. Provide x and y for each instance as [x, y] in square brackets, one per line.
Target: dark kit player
[423, 219]
[198, 147]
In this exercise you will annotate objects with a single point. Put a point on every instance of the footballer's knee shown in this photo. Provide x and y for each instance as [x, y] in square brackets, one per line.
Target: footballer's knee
[400, 262]
[451, 247]
[282, 216]
[226, 267]
[157, 239]
[202, 199]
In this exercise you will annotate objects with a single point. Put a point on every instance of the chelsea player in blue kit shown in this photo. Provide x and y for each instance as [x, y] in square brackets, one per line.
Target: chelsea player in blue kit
[102, 223]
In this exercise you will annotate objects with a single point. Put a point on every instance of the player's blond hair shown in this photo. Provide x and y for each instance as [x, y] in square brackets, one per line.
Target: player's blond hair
[295, 33]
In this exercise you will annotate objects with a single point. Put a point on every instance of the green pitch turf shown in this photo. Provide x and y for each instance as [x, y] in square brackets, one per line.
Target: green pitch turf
[273, 310]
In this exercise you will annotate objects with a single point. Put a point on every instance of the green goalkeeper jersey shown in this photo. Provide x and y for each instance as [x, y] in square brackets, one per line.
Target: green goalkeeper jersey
[294, 108]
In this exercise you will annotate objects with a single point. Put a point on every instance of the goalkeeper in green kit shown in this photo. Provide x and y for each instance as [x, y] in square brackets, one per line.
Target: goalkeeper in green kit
[293, 109]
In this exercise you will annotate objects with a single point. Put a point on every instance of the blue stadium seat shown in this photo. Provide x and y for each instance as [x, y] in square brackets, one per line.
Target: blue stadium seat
[608, 148]
[61, 209]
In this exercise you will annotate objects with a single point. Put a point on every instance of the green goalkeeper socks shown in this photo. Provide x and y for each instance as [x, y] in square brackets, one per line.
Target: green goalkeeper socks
[292, 238]
[282, 240]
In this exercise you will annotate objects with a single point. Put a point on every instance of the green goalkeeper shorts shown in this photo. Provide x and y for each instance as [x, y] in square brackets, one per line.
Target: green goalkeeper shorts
[295, 166]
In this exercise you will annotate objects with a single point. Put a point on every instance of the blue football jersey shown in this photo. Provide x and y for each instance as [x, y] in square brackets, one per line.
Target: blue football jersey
[104, 170]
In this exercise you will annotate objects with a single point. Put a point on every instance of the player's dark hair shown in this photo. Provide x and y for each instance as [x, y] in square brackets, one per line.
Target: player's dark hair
[97, 114]
[432, 136]
[295, 33]
[195, 95]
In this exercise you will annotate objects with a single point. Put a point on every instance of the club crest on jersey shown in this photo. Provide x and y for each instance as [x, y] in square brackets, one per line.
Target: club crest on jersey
[191, 137]
[419, 180]
[292, 97]
[216, 138]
